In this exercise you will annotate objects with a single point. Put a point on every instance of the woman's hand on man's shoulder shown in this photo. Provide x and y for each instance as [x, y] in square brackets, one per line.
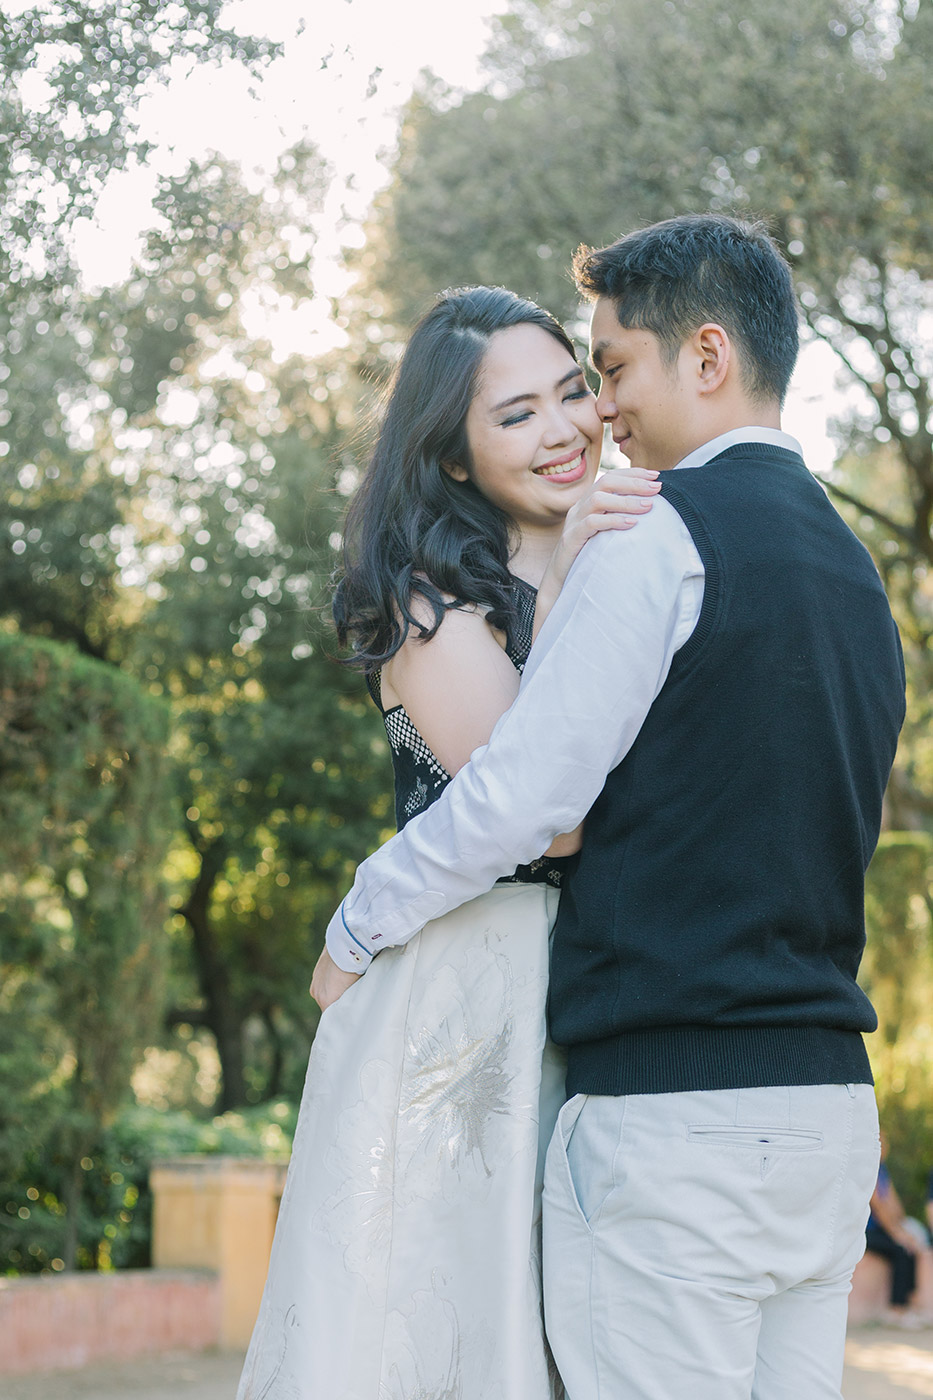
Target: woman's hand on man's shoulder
[616, 501]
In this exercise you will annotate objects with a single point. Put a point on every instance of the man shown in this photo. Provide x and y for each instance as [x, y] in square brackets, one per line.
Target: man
[720, 691]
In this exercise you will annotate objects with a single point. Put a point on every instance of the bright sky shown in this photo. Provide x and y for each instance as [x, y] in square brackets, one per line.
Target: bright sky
[347, 68]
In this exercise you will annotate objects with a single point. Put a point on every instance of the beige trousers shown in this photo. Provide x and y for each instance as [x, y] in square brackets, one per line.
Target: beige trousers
[700, 1246]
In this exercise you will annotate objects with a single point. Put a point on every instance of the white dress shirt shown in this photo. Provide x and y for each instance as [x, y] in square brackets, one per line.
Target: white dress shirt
[629, 603]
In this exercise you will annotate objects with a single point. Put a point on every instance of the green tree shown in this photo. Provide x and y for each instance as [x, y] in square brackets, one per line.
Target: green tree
[171, 509]
[284, 777]
[897, 974]
[60, 506]
[84, 809]
[71, 76]
[223, 462]
[874, 473]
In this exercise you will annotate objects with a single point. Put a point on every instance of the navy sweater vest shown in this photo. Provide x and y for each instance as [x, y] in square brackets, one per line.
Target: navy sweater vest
[709, 934]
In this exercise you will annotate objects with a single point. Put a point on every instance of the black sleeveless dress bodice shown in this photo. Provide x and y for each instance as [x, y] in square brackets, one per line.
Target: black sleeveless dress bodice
[420, 777]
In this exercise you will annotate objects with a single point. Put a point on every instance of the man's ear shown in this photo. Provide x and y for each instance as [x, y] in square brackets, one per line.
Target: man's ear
[714, 356]
[456, 471]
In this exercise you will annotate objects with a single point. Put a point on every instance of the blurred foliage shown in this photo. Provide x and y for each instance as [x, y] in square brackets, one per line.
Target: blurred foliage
[898, 968]
[84, 810]
[168, 507]
[114, 1219]
[205, 575]
[234, 455]
[596, 120]
[72, 74]
[873, 472]
[897, 974]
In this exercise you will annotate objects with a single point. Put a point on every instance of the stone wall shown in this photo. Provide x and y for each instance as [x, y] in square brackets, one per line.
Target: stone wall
[60, 1323]
[213, 1222]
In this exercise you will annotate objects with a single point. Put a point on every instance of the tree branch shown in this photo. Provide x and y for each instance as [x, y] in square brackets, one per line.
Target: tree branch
[903, 532]
[834, 345]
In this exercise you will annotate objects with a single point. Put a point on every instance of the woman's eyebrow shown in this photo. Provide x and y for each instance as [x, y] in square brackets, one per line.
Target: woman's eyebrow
[519, 398]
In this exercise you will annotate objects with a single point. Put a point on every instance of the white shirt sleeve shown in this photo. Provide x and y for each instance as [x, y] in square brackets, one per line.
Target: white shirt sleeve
[629, 603]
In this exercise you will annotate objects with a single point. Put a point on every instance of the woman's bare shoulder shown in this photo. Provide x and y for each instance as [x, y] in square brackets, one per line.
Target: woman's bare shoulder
[463, 642]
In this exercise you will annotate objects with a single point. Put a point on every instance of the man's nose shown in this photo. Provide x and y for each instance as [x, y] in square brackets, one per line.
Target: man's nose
[605, 406]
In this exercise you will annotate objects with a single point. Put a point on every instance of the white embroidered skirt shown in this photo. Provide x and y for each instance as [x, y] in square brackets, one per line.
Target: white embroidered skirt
[406, 1262]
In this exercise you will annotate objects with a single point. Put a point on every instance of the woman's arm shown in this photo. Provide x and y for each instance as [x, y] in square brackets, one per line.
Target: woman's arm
[455, 688]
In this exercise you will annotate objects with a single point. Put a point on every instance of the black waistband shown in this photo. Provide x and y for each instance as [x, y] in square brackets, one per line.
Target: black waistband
[680, 1059]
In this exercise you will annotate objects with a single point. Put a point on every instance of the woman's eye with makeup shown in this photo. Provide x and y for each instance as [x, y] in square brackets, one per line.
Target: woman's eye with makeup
[517, 418]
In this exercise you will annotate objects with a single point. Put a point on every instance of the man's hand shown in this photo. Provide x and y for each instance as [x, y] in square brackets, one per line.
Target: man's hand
[328, 982]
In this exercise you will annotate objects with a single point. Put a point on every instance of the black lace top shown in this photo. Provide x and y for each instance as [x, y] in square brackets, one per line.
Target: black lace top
[420, 777]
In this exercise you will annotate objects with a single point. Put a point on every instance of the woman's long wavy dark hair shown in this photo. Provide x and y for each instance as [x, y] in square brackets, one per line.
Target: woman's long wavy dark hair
[411, 528]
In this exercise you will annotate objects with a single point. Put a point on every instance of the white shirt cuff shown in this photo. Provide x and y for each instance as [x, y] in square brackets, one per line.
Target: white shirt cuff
[348, 953]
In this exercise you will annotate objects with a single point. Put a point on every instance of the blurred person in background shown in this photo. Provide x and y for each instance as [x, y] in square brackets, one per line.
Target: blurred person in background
[901, 1240]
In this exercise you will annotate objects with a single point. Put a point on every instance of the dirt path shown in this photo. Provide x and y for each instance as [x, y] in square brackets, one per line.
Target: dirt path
[882, 1365]
[207, 1376]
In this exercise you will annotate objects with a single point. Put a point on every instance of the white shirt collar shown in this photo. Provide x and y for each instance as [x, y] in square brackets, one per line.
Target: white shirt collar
[773, 436]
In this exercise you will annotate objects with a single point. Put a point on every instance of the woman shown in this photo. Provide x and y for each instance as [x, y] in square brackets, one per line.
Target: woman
[406, 1256]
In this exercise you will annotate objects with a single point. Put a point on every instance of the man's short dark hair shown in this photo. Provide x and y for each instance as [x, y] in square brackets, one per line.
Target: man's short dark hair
[673, 277]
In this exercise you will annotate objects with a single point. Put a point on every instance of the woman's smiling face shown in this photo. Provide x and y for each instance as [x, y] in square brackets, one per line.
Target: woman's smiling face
[533, 432]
